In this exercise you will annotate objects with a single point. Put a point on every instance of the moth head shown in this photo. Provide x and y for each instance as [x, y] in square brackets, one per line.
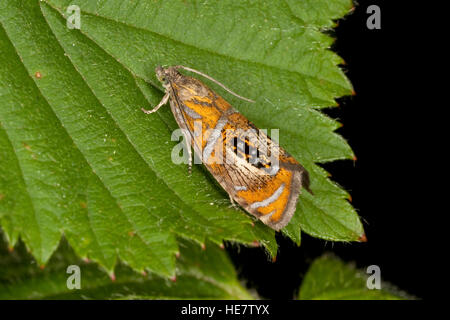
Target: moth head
[161, 74]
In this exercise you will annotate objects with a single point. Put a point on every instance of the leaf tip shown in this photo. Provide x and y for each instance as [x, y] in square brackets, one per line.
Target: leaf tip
[112, 276]
[177, 254]
[42, 266]
[362, 238]
[203, 246]
[173, 278]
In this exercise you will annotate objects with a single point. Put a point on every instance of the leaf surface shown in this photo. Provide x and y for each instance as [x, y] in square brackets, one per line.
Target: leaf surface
[329, 278]
[201, 274]
[79, 158]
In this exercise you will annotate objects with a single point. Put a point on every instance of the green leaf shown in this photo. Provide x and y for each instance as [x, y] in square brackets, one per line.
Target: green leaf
[79, 158]
[201, 274]
[328, 278]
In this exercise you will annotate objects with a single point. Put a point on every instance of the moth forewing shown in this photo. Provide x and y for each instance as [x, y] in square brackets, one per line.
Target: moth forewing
[252, 168]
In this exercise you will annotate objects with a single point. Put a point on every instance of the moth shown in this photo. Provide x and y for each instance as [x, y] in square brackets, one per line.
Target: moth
[253, 169]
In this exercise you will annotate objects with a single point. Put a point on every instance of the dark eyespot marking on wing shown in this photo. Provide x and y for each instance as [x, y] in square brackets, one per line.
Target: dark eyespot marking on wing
[252, 155]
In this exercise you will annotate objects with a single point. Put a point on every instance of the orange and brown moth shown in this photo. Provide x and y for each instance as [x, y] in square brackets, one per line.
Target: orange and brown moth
[252, 168]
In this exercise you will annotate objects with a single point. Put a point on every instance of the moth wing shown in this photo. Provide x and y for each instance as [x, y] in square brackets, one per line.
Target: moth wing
[257, 173]
[254, 170]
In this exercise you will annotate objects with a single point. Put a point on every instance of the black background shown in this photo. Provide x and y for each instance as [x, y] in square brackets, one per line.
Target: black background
[383, 182]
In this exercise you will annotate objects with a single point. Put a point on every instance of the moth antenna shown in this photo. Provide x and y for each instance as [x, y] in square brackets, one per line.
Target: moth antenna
[215, 81]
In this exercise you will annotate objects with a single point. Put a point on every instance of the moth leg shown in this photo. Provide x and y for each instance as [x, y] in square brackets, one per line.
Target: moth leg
[160, 104]
[232, 201]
